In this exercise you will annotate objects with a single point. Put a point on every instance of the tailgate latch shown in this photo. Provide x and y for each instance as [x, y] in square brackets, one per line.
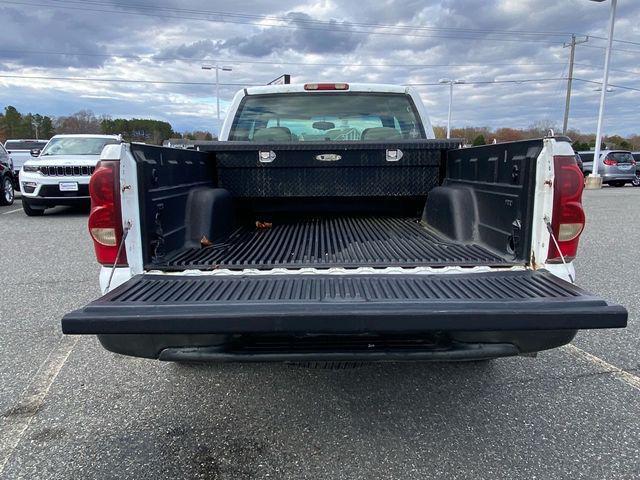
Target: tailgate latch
[266, 156]
[393, 155]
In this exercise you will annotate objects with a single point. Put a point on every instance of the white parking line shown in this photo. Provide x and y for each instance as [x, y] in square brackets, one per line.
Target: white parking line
[17, 419]
[12, 211]
[622, 375]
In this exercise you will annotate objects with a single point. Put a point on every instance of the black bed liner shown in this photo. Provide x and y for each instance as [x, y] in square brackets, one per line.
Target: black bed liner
[334, 241]
[345, 304]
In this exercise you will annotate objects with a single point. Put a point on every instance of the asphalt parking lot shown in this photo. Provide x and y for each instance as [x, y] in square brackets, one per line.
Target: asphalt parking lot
[69, 409]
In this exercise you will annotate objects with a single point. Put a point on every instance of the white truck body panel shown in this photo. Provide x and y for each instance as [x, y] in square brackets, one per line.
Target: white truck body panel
[543, 203]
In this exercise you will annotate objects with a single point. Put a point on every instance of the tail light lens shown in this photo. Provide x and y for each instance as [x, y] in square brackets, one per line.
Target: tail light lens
[610, 161]
[568, 218]
[105, 219]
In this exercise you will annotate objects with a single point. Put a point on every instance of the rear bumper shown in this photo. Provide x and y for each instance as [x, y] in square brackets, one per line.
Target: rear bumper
[619, 177]
[438, 346]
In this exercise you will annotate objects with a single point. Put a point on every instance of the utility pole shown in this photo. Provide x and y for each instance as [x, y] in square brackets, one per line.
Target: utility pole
[573, 44]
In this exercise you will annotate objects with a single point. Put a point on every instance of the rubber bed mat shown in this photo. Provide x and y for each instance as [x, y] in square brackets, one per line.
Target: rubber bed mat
[337, 241]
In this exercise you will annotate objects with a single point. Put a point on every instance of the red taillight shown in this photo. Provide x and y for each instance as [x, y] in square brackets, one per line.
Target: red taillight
[326, 86]
[568, 218]
[105, 220]
[610, 161]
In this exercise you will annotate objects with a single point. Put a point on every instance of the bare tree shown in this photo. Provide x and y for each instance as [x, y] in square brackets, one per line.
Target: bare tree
[83, 121]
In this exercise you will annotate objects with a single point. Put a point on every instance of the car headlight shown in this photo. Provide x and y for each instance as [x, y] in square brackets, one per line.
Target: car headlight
[30, 168]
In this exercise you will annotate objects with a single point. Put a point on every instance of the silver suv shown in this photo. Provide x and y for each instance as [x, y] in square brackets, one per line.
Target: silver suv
[617, 167]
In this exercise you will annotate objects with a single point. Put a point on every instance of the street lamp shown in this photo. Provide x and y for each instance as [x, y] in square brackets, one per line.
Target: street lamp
[35, 125]
[594, 180]
[451, 83]
[217, 68]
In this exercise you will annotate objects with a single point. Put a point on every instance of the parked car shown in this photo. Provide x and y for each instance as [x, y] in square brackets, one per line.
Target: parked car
[7, 178]
[617, 167]
[329, 225]
[20, 151]
[636, 157]
[579, 162]
[60, 174]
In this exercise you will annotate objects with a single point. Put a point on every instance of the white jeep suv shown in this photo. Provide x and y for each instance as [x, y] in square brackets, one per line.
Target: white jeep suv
[60, 174]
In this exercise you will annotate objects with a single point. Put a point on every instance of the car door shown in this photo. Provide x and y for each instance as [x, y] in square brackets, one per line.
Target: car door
[5, 159]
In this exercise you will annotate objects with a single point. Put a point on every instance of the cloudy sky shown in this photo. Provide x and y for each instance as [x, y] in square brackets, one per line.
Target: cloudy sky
[66, 46]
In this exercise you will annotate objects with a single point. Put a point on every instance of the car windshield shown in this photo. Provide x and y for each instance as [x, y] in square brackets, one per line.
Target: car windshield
[24, 144]
[326, 117]
[622, 157]
[77, 146]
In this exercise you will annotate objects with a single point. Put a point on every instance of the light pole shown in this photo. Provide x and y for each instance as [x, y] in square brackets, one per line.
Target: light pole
[35, 125]
[217, 68]
[451, 83]
[594, 180]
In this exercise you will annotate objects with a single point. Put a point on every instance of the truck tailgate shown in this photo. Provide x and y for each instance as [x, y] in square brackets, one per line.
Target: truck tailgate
[345, 304]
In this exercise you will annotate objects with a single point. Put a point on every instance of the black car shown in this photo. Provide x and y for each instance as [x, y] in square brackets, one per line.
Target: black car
[7, 178]
[636, 157]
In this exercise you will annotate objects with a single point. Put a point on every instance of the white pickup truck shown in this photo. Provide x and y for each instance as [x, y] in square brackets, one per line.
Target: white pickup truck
[328, 225]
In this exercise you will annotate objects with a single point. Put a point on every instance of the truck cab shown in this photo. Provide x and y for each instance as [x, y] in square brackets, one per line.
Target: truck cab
[329, 225]
[300, 106]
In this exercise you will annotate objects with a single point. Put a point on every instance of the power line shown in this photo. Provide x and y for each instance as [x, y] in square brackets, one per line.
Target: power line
[256, 18]
[292, 27]
[628, 42]
[333, 23]
[630, 72]
[613, 49]
[170, 82]
[123, 80]
[487, 82]
[315, 21]
[142, 57]
[275, 62]
[623, 87]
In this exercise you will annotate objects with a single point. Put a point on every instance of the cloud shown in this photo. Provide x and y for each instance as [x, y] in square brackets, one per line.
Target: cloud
[197, 50]
[477, 40]
[297, 33]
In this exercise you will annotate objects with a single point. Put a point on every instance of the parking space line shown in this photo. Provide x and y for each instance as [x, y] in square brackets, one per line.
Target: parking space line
[18, 418]
[12, 211]
[620, 374]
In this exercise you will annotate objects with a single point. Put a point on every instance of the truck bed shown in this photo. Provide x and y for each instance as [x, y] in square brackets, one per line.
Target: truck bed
[348, 241]
[436, 206]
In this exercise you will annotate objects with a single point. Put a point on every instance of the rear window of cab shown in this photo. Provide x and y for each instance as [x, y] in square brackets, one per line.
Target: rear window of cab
[304, 117]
